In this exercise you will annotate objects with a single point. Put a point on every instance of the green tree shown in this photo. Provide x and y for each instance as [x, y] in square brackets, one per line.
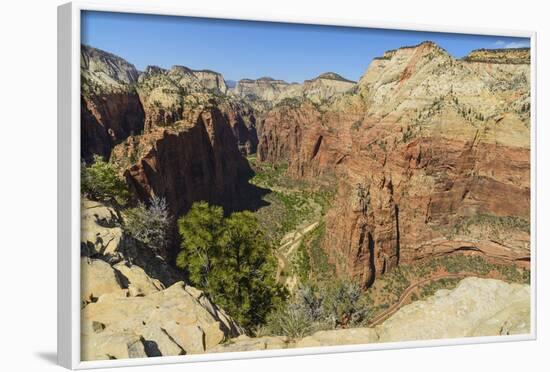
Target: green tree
[231, 260]
[200, 230]
[100, 181]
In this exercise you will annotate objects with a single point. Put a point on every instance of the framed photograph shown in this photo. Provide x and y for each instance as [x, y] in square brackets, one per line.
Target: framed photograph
[238, 186]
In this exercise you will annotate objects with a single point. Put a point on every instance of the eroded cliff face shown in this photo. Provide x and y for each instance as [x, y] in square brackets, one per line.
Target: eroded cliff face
[168, 94]
[431, 156]
[265, 93]
[110, 107]
[193, 159]
[172, 133]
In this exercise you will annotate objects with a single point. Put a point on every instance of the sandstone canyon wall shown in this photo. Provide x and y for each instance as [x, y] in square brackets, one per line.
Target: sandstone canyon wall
[110, 107]
[430, 153]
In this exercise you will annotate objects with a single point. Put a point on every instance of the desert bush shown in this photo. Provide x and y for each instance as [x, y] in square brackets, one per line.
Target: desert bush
[100, 181]
[149, 224]
[343, 304]
[290, 321]
[330, 306]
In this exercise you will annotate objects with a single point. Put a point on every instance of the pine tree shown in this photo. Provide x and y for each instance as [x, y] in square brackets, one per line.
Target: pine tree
[231, 260]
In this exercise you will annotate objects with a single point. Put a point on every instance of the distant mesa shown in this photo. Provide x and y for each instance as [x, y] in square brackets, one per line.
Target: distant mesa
[426, 45]
[509, 55]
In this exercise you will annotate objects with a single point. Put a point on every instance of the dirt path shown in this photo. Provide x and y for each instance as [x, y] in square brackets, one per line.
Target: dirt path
[405, 295]
[289, 244]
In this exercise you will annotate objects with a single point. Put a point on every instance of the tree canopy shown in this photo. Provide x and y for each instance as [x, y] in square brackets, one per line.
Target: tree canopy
[231, 260]
[100, 181]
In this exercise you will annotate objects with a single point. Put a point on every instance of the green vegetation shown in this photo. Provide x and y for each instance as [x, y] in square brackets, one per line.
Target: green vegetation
[149, 224]
[311, 263]
[302, 264]
[432, 287]
[495, 224]
[231, 260]
[100, 181]
[330, 305]
[291, 102]
[291, 202]
[267, 175]
[408, 134]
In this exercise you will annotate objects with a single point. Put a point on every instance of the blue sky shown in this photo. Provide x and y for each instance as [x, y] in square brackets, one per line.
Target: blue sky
[244, 49]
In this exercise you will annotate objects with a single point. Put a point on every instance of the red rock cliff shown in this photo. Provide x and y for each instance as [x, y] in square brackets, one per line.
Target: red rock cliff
[431, 156]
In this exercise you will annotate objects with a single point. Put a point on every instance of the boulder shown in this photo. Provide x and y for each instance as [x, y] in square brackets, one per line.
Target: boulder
[97, 279]
[107, 345]
[171, 321]
[100, 232]
[137, 281]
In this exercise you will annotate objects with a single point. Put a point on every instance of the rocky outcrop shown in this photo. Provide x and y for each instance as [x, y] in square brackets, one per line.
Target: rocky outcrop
[168, 95]
[110, 107]
[100, 232]
[507, 56]
[265, 89]
[421, 161]
[265, 93]
[117, 101]
[127, 314]
[191, 160]
[325, 86]
[133, 304]
[476, 307]
[163, 92]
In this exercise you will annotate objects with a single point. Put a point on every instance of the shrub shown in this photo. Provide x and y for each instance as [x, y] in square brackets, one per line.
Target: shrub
[100, 181]
[149, 224]
[231, 260]
[290, 321]
[302, 263]
[343, 304]
[298, 318]
[333, 305]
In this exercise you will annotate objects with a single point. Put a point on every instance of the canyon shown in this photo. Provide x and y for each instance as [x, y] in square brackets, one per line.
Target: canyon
[424, 144]
[425, 156]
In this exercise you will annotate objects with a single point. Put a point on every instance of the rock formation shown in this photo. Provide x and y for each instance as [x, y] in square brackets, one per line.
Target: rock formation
[506, 56]
[110, 107]
[127, 313]
[266, 92]
[127, 310]
[163, 92]
[191, 160]
[476, 307]
[418, 157]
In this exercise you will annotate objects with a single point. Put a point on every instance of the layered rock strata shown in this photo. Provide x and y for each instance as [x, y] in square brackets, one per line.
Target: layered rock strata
[431, 155]
[110, 107]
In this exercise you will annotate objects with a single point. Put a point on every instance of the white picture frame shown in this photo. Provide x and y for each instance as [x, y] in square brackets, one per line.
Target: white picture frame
[69, 184]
